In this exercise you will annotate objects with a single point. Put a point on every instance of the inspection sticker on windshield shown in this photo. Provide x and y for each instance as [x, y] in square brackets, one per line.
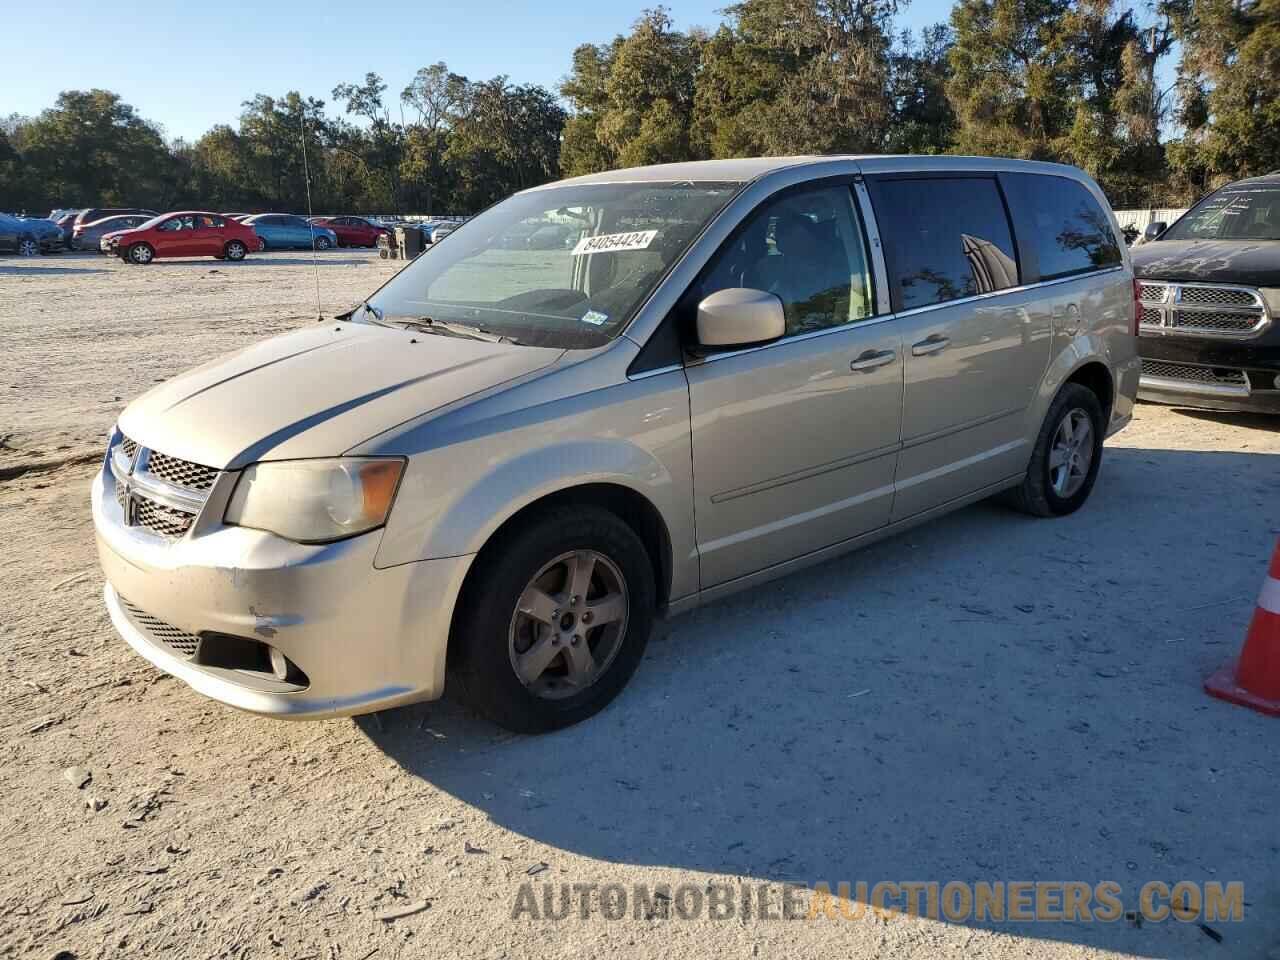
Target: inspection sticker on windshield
[595, 318]
[613, 242]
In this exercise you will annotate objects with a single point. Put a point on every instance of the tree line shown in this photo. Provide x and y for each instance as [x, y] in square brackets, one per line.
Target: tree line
[1075, 81]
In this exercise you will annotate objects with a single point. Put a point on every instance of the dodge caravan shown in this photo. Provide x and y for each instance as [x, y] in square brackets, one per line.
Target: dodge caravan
[507, 461]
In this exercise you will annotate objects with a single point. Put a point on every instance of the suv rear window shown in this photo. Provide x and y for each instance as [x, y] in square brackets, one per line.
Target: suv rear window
[1068, 230]
[946, 238]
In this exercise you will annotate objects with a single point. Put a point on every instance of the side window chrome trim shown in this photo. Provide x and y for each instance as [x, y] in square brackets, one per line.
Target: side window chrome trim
[887, 317]
[914, 311]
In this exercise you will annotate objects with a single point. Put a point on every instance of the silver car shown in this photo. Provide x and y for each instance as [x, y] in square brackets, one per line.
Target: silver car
[508, 461]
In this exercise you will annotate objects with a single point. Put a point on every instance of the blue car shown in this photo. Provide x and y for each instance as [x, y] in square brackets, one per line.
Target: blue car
[284, 231]
[28, 237]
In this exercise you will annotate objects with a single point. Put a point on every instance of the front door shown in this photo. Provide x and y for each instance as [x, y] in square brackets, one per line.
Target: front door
[795, 442]
[176, 236]
[974, 357]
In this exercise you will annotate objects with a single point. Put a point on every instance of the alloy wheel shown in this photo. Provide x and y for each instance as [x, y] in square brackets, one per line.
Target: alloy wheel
[1071, 454]
[569, 624]
[28, 248]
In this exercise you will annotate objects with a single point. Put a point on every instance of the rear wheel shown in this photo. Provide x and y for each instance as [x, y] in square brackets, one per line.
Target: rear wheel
[554, 620]
[1068, 452]
[235, 250]
[141, 254]
[28, 247]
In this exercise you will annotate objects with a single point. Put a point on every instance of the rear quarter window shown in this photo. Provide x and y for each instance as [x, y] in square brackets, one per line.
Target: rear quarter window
[1062, 225]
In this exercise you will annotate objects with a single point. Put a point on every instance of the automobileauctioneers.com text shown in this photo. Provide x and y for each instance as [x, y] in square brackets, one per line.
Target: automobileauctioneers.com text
[1014, 901]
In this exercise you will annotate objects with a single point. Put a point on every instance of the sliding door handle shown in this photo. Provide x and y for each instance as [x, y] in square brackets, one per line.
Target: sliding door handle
[930, 344]
[871, 359]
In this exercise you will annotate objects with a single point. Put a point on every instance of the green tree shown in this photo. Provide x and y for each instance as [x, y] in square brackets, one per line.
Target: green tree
[438, 96]
[797, 76]
[509, 139]
[923, 121]
[92, 147]
[378, 148]
[649, 89]
[1229, 84]
[586, 90]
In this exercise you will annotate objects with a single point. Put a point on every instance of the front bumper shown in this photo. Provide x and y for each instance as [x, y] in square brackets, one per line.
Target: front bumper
[1228, 375]
[362, 639]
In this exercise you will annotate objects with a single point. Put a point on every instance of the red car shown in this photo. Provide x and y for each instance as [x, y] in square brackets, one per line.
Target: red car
[190, 233]
[353, 231]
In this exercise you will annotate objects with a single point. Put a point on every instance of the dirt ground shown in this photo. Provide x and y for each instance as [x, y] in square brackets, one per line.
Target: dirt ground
[987, 698]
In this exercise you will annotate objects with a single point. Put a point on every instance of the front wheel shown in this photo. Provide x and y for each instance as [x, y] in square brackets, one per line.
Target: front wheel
[1068, 452]
[235, 250]
[553, 621]
[322, 243]
[28, 247]
[141, 254]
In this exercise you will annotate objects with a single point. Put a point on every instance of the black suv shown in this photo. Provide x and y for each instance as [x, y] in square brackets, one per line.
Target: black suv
[1209, 320]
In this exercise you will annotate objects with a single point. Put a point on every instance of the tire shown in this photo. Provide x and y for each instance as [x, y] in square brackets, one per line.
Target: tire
[28, 247]
[234, 251]
[493, 629]
[1047, 491]
[140, 254]
[322, 243]
[262, 245]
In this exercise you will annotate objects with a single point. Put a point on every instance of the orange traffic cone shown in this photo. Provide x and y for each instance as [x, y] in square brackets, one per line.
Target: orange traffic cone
[1254, 679]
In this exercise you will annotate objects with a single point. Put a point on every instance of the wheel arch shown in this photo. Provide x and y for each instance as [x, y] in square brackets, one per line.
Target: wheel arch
[632, 507]
[1096, 376]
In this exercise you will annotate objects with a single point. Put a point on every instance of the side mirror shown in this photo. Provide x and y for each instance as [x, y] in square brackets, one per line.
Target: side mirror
[1154, 229]
[740, 317]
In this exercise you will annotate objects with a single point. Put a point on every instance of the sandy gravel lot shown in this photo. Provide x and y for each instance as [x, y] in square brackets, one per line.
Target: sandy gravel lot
[988, 698]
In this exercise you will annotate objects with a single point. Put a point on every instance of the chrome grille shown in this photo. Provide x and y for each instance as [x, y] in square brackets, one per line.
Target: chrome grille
[1188, 371]
[1202, 310]
[181, 473]
[160, 519]
[1206, 320]
[166, 634]
[1226, 295]
[1152, 292]
[160, 493]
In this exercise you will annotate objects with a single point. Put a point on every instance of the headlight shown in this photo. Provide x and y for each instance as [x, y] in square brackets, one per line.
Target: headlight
[315, 501]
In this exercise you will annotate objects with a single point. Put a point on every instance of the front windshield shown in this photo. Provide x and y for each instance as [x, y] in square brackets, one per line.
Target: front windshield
[1234, 213]
[560, 267]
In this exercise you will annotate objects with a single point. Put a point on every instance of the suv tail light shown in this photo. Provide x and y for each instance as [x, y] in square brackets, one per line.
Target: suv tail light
[1137, 306]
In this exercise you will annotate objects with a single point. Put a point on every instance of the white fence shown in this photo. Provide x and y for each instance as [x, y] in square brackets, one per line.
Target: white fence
[1140, 218]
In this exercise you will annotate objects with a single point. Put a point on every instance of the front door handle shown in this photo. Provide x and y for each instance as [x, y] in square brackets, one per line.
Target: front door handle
[871, 359]
[930, 344]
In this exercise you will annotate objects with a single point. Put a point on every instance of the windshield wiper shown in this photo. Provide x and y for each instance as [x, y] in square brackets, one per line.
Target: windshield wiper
[450, 329]
[444, 328]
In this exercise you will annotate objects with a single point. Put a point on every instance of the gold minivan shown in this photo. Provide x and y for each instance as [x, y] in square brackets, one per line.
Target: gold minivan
[513, 456]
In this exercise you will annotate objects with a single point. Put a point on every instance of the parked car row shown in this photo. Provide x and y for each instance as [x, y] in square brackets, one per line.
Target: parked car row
[140, 235]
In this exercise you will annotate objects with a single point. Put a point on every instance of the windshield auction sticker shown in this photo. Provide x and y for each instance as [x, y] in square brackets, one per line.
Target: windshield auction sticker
[614, 242]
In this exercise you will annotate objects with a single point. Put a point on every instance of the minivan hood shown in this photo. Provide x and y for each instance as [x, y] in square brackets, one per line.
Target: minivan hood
[1254, 263]
[317, 393]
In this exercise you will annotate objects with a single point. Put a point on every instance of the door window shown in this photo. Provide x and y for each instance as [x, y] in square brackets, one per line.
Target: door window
[945, 238]
[185, 222]
[807, 248]
[1068, 229]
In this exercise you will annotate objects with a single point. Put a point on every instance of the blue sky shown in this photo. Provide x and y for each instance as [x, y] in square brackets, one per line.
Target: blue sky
[189, 65]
